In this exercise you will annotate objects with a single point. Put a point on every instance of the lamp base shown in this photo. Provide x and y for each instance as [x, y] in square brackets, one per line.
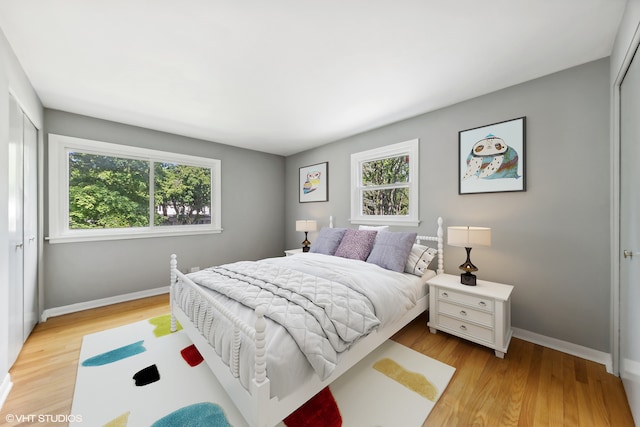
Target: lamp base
[468, 279]
[305, 243]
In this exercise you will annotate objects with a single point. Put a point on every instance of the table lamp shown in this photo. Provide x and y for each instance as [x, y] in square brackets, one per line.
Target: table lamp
[468, 237]
[306, 225]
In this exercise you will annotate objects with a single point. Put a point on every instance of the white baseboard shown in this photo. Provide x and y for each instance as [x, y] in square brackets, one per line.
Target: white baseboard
[72, 308]
[5, 388]
[554, 343]
[597, 356]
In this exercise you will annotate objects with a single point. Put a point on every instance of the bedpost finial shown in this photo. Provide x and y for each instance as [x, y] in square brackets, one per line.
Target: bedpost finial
[261, 310]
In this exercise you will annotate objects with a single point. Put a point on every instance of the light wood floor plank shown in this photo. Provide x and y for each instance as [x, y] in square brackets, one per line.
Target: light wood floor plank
[519, 360]
[531, 386]
[569, 393]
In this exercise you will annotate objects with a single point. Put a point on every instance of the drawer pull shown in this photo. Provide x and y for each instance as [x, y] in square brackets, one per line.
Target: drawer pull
[462, 327]
[444, 294]
[482, 304]
[463, 313]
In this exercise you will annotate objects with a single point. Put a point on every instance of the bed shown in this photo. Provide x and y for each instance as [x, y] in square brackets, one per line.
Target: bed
[277, 331]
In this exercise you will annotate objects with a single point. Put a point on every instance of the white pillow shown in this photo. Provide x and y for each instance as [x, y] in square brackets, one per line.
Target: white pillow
[419, 259]
[371, 227]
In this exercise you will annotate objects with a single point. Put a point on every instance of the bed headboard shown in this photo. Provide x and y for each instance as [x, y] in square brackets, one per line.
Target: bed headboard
[438, 238]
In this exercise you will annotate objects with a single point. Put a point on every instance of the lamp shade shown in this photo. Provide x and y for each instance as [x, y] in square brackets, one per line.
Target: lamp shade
[306, 225]
[468, 237]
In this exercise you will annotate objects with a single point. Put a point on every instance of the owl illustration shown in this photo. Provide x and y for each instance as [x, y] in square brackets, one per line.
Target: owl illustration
[312, 182]
[491, 158]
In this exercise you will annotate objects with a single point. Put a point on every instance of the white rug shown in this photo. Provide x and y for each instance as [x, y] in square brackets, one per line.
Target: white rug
[113, 361]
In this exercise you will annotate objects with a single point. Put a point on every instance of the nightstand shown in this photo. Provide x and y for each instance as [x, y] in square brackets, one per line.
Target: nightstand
[480, 313]
[289, 252]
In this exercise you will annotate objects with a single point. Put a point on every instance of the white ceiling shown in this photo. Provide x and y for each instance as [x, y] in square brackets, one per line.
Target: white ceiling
[282, 76]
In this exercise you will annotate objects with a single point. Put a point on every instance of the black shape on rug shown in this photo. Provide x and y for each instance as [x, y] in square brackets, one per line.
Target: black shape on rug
[147, 376]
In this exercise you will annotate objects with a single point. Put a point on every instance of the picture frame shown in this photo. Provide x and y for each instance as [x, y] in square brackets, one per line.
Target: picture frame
[313, 185]
[491, 158]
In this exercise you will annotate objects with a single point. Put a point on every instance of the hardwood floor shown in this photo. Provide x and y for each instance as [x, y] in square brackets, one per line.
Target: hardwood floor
[532, 386]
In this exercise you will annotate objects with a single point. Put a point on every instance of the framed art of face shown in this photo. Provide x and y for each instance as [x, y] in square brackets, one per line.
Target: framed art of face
[491, 158]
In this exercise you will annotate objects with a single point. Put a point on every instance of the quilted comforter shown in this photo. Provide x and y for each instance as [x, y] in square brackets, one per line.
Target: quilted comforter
[323, 316]
[319, 306]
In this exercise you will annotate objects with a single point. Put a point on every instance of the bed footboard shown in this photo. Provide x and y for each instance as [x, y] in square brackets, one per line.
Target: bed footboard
[259, 394]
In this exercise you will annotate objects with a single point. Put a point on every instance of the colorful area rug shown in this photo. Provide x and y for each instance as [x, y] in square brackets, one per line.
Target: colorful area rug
[143, 375]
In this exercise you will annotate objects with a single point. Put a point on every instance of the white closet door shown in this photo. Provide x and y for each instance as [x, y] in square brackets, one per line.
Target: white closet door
[23, 229]
[30, 215]
[630, 236]
[16, 232]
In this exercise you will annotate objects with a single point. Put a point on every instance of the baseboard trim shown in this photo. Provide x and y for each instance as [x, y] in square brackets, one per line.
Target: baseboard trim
[72, 308]
[5, 388]
[553, 343]
[597, 356]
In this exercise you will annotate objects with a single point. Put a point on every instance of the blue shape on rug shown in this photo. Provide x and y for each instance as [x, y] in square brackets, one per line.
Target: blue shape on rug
[115, 354]
[146, 376]
[203, 414]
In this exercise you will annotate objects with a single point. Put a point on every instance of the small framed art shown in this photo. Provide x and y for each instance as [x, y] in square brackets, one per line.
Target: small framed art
[314, 183]
[491, 158]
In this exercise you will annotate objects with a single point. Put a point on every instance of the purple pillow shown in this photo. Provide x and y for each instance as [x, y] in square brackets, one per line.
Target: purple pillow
[392, 250]
[328, 240]
[356, 244]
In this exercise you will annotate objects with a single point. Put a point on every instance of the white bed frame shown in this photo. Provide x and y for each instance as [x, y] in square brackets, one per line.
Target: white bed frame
[256, 405]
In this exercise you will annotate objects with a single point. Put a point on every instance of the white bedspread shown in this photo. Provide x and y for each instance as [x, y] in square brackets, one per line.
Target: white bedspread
[389, 295]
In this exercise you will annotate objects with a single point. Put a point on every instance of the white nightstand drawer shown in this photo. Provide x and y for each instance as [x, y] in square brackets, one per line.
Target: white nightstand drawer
[466, 328]
[480, 313]
[467, 299]
[466, 313]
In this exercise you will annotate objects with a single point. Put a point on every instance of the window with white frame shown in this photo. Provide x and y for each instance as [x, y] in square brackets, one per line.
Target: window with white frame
[105, 191]
[384, 185]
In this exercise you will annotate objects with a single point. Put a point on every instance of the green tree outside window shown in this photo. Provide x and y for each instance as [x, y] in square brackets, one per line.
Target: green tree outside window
[114, 192]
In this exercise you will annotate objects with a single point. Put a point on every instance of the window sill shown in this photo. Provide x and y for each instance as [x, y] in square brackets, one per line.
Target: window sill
[96, 237]
[381, 221]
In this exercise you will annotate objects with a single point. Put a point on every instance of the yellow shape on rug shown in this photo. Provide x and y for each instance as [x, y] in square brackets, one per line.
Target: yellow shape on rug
[163, 325]
[120, 421]
[412, 380]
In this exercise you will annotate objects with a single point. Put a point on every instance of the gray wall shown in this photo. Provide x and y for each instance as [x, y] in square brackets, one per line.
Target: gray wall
[552, 241]
[252, 219]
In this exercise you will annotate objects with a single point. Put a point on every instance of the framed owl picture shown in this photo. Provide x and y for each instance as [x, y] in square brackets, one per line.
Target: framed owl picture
[314, 183]
[491, 158]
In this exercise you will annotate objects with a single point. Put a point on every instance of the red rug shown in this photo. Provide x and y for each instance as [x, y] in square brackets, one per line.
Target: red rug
[320, 411]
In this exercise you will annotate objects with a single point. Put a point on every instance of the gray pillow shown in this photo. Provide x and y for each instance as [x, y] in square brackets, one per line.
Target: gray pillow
[328, 240]
[392, 249]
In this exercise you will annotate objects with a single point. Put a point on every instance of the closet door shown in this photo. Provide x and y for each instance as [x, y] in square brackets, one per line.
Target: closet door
[630, 236]
[16, 232]
[23, 229]
[30, 225]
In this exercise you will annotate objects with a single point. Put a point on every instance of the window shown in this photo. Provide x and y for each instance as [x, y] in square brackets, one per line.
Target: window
[384, 185]
[103, 191]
